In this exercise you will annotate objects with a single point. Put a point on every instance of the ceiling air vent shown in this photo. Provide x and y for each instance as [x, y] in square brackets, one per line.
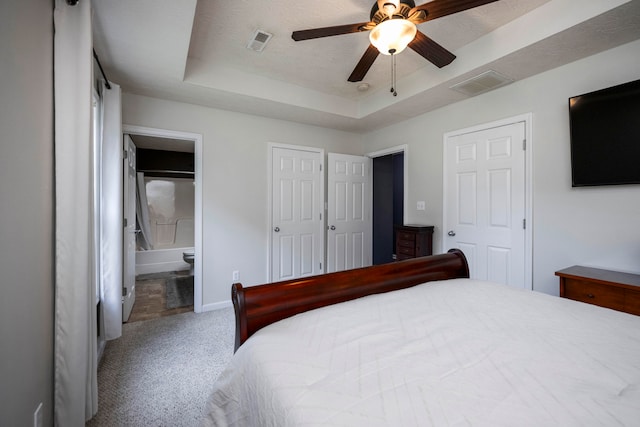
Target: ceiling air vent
[482, 83]
[259, 40]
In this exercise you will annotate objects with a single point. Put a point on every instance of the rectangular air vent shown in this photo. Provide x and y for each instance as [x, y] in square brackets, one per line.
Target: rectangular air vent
[259, 40]
[482, 83]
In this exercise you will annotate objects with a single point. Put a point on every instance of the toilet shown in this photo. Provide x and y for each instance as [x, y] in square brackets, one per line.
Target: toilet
[189, 257]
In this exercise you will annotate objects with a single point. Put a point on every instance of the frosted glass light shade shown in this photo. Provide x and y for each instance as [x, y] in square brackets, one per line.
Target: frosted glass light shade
[393, 35]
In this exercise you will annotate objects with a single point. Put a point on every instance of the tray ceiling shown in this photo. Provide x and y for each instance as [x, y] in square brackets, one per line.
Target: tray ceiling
[196, 51]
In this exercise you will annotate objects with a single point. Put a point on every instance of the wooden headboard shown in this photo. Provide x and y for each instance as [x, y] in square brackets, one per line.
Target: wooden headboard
[258, 306]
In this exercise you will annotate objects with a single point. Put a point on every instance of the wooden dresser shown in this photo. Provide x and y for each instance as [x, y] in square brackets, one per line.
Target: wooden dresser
[611, 289]
[413, 241]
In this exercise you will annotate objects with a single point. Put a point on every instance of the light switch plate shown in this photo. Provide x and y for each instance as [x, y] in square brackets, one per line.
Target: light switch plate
[420, 206]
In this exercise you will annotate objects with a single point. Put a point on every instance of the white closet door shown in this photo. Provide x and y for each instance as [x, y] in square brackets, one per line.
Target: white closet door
[349, 212]
[297, 243]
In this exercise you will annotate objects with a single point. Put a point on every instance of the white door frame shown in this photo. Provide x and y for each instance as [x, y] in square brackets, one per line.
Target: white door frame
[197, 140]
[404, 148]
[528, 176]
[322, 228]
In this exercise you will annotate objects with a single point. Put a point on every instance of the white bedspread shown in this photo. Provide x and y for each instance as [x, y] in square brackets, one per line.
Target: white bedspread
[452, 353]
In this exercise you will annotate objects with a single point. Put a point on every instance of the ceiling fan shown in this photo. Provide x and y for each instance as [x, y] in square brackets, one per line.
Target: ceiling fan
[393, 28]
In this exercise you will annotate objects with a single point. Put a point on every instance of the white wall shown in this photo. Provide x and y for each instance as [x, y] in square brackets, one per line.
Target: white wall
[599, 226]
[26, 211]
[589, 226]
[234, 188]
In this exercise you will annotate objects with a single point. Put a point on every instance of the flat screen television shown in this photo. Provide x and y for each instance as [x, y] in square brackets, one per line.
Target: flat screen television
[605, 136]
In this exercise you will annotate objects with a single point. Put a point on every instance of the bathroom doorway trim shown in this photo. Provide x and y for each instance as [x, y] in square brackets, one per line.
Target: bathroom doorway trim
[197, 140]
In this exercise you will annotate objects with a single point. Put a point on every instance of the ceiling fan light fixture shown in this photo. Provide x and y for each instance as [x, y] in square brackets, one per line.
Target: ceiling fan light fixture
[388, 6]
[392, 36]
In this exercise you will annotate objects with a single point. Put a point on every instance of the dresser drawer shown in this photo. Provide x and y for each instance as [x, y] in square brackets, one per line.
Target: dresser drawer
[406, 243]
[632, 302]
[612, 289]
[406, 250]
[593, 293]
[406, 239]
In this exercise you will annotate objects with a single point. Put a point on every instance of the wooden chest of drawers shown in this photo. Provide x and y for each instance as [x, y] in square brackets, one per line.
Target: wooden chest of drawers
[612, 289]
[413, 241]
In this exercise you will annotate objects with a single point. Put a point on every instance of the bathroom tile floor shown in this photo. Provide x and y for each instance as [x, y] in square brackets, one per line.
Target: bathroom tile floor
[151, 297]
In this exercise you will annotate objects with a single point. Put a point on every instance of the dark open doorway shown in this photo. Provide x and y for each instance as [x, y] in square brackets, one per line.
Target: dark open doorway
[388, 204]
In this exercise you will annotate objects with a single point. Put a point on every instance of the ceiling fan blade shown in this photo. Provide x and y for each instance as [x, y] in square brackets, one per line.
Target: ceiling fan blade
[364, 64]
[439, 8]
[316, 33]
[431, 50]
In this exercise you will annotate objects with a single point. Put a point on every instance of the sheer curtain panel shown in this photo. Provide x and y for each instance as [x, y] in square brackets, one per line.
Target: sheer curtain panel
[75, 365]
[112, 225]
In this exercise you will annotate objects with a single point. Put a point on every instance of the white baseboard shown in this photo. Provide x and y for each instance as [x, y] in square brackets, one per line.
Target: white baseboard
[216, 306]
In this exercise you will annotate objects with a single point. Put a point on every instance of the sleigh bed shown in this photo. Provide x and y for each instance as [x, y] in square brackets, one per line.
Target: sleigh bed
[418, 343]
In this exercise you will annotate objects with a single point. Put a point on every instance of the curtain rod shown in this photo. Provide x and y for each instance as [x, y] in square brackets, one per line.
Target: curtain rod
[95, 55]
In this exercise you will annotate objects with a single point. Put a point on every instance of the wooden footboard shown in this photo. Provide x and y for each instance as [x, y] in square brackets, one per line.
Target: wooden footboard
[258, 306]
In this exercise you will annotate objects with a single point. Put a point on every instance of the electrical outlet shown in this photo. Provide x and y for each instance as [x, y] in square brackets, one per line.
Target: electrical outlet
[37, 417]
[420, 206]
[236, 275]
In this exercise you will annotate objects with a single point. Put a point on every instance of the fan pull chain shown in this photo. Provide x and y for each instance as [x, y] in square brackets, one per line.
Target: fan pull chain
[393, 72]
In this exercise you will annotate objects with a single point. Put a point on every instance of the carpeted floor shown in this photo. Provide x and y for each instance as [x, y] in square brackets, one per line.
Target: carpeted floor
[160, 372]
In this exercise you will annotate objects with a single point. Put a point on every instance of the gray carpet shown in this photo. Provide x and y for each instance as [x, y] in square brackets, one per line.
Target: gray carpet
[161, 371]
[179, 291]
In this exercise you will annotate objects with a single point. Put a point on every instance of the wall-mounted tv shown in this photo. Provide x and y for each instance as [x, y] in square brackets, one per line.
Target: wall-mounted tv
[605, 136]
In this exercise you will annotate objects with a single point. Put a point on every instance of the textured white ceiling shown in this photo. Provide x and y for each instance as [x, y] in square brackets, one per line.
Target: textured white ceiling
[195, 51]
[324, 64]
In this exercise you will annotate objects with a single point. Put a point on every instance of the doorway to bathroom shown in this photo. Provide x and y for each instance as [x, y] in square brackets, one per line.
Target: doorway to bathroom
[166, 277]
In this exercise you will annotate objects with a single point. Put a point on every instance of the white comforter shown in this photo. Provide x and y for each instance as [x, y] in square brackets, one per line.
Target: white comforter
[452, 353]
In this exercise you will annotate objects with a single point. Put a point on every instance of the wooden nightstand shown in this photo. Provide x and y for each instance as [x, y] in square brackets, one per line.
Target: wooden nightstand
[612, 289]
[413, 241]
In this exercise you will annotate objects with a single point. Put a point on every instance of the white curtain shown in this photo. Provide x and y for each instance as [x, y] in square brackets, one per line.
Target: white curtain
[112, 225]
[145, 239]
[75, 365]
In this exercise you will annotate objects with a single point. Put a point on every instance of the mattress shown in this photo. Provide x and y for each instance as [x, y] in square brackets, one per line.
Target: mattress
[458, 352]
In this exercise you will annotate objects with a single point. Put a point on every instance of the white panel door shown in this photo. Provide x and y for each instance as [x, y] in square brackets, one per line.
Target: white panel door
[129, 237]
[485, 201]
[297, 244]
[349, 212]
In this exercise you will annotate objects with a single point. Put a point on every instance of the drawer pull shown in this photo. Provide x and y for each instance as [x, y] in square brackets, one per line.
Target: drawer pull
[591, 296]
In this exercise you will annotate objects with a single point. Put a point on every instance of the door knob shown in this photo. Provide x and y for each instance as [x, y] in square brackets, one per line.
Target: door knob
[333, 227]
[451, 233]
[277, 229]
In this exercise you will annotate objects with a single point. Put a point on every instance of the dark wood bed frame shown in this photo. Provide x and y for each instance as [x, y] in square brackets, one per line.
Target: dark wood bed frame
[258, 306]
